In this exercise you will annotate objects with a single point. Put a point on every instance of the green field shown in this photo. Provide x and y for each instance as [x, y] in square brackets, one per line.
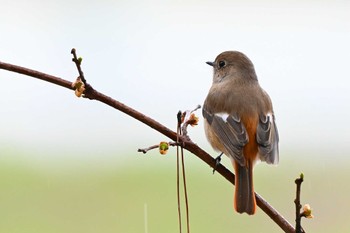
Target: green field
[109, 195]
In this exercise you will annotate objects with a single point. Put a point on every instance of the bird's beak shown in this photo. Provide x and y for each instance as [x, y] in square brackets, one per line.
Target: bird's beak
[210, 63]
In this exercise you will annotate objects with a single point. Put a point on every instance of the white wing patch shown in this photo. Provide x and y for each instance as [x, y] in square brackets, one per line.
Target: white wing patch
[223, 115]
[269, 115]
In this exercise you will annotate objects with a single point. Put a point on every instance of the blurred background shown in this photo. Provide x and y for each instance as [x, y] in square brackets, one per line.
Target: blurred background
[69, 164]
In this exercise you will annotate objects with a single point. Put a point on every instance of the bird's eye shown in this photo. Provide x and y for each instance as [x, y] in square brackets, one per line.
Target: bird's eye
[222, 64]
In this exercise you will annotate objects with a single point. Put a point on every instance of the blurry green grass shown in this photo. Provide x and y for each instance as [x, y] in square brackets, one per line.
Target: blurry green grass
[107, 195]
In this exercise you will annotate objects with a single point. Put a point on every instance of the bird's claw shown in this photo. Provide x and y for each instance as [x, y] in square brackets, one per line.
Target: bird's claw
[217, 162]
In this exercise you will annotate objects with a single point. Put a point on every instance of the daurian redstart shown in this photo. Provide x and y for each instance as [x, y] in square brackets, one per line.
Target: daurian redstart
[240, 122]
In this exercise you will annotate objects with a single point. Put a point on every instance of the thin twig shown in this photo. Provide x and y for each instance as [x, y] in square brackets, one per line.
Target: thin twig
[185, 190]
[145, 150]
[186, 121]
[190, 146]
[298, 206]
[183, 132]
[78, 65]
[178, 133]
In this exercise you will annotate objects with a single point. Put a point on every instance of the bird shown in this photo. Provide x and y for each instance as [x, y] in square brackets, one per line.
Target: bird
[239, 121]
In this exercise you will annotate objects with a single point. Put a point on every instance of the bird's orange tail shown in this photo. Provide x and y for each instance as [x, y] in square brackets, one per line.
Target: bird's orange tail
[244, 200]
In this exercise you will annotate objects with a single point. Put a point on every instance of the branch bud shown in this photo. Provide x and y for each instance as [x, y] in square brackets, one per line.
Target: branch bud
[307, 211]
[80, 59]
[79, 87]
[163, 147]
[193, 120]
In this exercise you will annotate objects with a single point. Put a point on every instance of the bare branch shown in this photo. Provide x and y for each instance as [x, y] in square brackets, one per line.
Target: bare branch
[145, 150]
[77, 62]
[36, 74]
[188, 145]
[298, 206]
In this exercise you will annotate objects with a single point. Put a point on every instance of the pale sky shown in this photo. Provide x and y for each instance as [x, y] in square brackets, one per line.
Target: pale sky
[151, 56]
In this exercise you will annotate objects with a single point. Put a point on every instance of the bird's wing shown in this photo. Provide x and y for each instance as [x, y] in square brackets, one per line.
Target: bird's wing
[267, 139]
[230, 130]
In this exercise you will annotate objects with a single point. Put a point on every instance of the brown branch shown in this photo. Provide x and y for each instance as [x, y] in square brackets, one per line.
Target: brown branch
[36, 74]
[298, 206]
[77, 62]
[188, 145]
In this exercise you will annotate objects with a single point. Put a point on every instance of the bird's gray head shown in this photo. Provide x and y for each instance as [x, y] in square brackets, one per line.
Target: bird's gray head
[233, 64]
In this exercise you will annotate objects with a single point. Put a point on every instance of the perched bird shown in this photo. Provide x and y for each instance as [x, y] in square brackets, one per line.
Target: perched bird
[240, 122]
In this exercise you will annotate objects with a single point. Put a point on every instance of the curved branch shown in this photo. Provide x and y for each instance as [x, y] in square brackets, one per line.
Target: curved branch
[92, 94]
[36, 74]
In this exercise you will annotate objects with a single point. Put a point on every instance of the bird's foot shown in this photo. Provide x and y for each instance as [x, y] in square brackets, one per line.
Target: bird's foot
[217, 162]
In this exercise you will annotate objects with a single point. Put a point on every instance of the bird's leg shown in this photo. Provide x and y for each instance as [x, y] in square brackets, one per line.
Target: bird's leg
[217, 161]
